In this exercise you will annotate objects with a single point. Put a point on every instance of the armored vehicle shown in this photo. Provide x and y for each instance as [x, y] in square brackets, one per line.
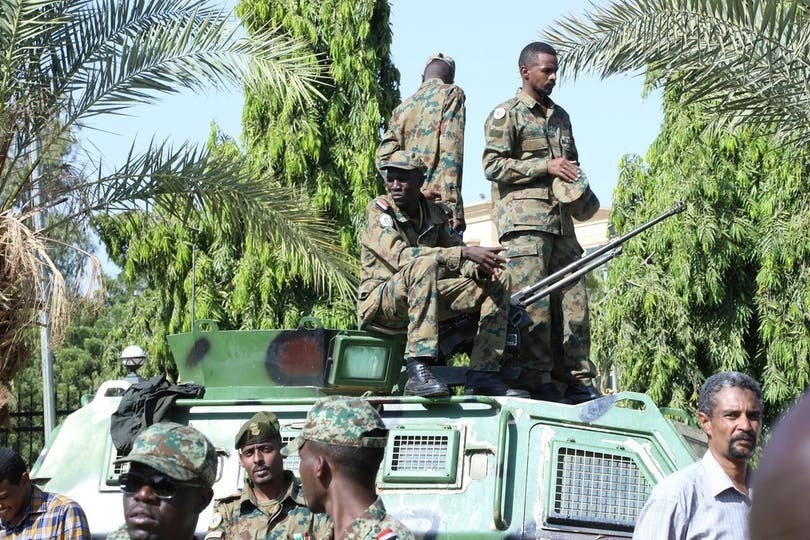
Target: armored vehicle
[455, 467]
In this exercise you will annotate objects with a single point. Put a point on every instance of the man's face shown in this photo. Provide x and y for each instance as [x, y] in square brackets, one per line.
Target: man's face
[156, 507]
[403, 185]
[734, 424]
[14, 498]
[309, 482]
[541, 75]
[262, 462]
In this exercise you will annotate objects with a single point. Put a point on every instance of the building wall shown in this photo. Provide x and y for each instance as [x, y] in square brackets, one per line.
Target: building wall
[481, 229]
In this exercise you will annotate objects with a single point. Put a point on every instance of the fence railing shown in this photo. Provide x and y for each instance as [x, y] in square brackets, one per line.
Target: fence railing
[27, 433]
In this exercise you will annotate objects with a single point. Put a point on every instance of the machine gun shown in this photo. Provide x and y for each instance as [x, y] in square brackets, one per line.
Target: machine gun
[456, 335]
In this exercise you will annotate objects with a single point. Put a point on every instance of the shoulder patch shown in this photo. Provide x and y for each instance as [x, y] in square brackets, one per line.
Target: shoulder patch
[386, 221]
[498, 113]
[386, 534]
[381, 203]
[216, 521]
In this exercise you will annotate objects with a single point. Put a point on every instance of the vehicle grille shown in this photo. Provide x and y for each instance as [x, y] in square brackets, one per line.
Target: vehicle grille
[600, 488]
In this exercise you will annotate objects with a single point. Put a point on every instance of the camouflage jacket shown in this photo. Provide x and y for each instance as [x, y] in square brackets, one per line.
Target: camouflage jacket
[431, 123]
[376, 524]
[390, 241]
[519, 141]
[239, 516]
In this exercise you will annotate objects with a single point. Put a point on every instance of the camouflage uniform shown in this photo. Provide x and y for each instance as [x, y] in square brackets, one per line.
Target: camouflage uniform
[175, 450]
[431, 123]
[352, 422]
[376, 524]
[537, 229]
[415, 277]
[240, 516]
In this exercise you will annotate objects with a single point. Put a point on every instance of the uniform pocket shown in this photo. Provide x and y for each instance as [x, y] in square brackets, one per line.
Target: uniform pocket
[529, 250]
[535, 146]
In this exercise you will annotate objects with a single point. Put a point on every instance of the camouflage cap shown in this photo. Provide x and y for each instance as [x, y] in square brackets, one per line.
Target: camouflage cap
[408, 161]
[176, 450]
[444, 58]
[341, 421]
[568, 192]
[585, 207]
[262, 427]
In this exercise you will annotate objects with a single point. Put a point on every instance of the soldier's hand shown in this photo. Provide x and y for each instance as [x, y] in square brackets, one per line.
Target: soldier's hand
[488, 259]
[459, 225]
[432, 195]
[564, 169]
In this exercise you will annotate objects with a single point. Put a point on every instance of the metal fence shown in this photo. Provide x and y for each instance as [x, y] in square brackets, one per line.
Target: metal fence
[27, 433]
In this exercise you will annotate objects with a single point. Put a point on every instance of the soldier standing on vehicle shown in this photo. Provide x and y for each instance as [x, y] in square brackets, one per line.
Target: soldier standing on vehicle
[415, 274]
[271, 505]
[172, 468]
[341, 447]
[431, 123]
[28, 512]
[711, 498]
[530, 148]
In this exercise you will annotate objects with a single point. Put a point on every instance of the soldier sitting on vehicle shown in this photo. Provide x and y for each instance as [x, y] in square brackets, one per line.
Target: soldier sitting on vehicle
[271, 505]
[416, 273]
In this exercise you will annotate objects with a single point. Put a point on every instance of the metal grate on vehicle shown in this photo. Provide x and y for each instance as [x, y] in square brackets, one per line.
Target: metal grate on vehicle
[421, 456]
[290, 462]
[113, 470]
[597, 488]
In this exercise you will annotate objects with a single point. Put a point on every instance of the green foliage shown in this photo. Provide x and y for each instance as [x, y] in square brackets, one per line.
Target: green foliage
[722, 286]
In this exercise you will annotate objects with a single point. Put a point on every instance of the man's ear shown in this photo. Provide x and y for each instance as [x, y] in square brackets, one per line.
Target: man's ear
[705, 423]
[524, 72]
[25, 480]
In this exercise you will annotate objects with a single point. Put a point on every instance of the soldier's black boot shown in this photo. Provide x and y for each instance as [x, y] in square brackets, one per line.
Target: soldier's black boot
[489, 383]
[421, 381]
[580, 393]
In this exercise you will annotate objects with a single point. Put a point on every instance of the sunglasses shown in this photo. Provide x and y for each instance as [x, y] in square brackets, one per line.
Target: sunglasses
[165, 487]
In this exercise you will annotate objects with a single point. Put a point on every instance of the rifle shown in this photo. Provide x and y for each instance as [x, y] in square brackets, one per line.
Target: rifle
[559, 279]
[457, 334]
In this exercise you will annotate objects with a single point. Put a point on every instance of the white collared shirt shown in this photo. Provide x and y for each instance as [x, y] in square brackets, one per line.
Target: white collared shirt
[697, 502]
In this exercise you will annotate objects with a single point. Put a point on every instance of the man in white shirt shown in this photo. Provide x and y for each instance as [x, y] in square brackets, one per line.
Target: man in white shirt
[711, 498]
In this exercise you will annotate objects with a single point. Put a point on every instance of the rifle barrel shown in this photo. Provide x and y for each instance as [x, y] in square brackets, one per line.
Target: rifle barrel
[520, 296]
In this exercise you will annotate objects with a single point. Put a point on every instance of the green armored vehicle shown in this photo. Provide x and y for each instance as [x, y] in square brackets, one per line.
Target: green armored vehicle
[456, 467]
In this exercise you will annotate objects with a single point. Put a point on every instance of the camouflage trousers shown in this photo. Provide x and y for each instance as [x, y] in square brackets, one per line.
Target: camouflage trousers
[424, 293]
[557, 341]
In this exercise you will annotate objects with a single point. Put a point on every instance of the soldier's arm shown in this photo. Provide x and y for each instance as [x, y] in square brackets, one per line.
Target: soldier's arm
[499, 164]
[391, 140]
[450, 163]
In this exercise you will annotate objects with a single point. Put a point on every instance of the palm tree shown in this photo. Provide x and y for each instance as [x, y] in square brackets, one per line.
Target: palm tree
[63, 62]
[746, 61]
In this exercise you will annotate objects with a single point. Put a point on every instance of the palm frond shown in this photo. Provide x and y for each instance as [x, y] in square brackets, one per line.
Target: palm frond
[747, 61]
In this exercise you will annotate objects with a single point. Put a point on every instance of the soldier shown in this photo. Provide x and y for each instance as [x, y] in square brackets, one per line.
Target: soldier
[529, 148]
[172, 468]
[271, 505]
[341, 447]
[28, 512]
[415, 273]
[431, 123]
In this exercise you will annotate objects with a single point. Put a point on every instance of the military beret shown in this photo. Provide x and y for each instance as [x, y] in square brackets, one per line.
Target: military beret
[407, 161]
[444, 58]
[341, 421]
[262, 427]
[176, 450]
[568, 192]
